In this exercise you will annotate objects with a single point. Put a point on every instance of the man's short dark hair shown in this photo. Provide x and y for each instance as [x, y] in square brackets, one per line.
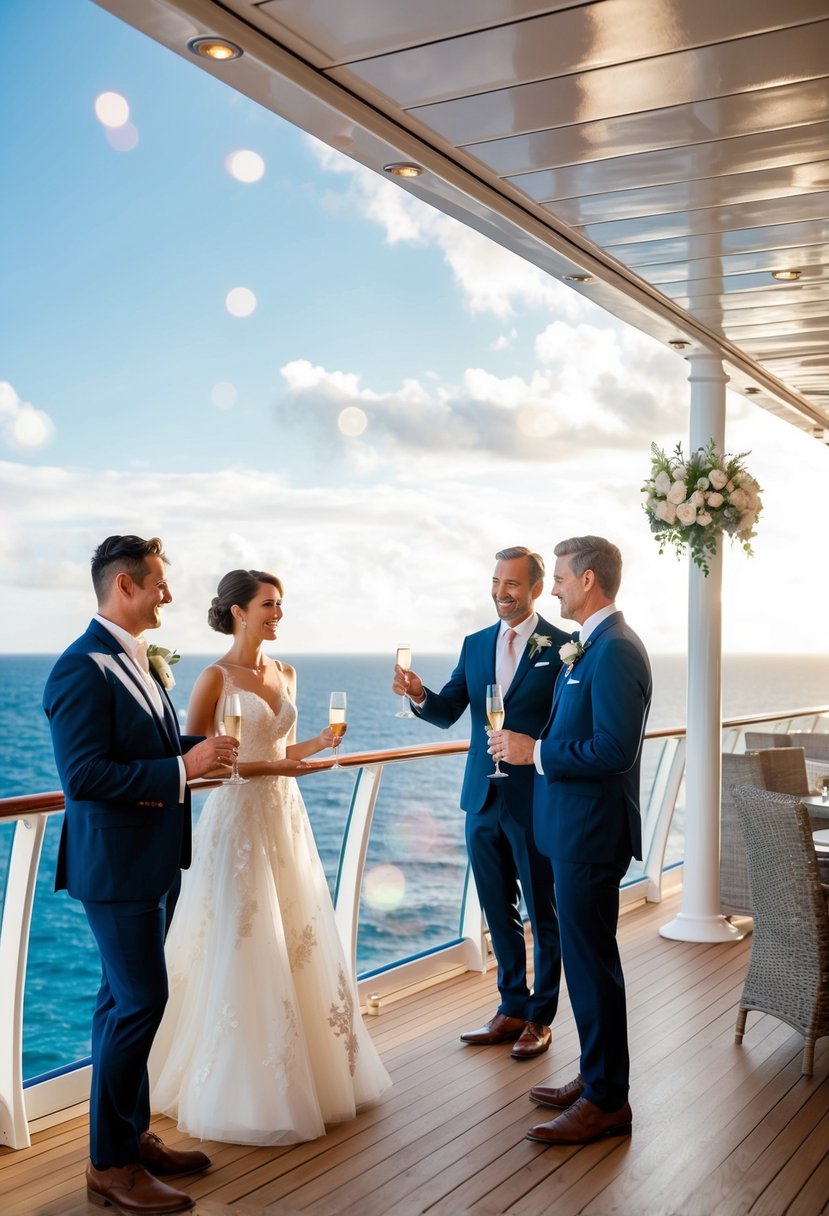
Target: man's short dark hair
[535, 562]
[127, 554]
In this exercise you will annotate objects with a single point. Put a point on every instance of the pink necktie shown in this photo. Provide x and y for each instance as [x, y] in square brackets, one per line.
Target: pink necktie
[508, 660]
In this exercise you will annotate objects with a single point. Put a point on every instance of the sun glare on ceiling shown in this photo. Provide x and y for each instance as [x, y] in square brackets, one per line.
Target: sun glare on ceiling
[786, 276]
[245, 166]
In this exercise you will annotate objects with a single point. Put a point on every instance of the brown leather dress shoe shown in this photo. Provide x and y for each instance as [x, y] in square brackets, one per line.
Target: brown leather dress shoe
[534, 1040]
[158, 1159]
[582, 1124]
[133, 1192]
[559, 1097]
[499, 1029]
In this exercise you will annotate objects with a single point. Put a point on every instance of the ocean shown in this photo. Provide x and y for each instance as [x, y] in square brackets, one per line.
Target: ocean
[416, 859]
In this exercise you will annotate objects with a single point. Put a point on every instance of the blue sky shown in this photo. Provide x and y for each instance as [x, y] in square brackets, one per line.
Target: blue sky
[497, 407]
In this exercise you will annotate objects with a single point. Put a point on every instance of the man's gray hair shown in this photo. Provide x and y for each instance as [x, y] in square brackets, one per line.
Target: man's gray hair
[535, 562]
[596, 554]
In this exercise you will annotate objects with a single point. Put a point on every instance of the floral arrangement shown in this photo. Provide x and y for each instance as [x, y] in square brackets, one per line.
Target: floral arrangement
[690, 502]
[161, 660]
[538, 641]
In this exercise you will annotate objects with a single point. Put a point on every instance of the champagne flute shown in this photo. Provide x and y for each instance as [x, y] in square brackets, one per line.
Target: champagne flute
[337, 704]
[232, 722]
[495, 718]
[404, 660]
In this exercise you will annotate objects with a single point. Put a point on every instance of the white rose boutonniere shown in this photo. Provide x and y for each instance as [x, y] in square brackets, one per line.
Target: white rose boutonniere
[571, 652]
[161, 660]
[538, 642]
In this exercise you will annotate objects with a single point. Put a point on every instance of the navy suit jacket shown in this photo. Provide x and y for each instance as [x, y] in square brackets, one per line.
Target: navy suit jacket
[114, 755]
[526, 705]
[587, 802]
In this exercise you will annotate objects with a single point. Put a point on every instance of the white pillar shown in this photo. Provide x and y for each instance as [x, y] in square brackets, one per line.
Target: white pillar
[699, 918]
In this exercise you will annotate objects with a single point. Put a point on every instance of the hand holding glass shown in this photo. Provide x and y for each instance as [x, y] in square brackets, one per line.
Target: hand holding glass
[337, 705]
[404, 660]
[232, 723]
[495, 717]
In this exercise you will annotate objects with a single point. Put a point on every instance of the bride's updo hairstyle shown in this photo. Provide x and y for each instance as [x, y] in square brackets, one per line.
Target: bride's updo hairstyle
[237, 587]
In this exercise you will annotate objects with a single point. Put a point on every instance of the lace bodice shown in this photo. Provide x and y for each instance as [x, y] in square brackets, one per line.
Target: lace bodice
[264, 733]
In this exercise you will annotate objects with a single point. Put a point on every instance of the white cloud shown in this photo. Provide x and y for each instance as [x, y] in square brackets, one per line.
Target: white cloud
[23, 427]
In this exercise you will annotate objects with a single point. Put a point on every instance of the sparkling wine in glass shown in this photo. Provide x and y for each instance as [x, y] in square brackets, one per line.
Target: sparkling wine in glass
[495, 718]
[337, 705]
[232, 722]
[404, 660]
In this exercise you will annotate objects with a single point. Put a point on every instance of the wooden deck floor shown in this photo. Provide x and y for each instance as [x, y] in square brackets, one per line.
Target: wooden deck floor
[718, 1129]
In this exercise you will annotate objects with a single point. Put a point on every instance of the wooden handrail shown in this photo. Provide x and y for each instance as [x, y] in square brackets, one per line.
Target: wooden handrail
[13, 808]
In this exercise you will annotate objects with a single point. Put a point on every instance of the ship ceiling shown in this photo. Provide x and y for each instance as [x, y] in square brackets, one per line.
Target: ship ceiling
[674, 151]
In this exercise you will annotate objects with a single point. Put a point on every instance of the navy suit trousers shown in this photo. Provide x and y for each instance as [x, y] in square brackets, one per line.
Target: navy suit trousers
[502, 854]
[131, 1000]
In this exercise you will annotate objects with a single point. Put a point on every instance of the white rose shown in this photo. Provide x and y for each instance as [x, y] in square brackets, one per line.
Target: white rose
[714, 499]
[569, 652]
[704, 519]
[702, 483]
[162, 668]
[666, 511]
[717, 478]
[697, 499]
[679, 472]
[662, 484]
[686, 514]
[676, 494]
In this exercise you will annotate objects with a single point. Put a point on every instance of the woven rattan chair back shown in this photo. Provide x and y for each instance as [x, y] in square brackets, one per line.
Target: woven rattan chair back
[737, 769]
[788, 973]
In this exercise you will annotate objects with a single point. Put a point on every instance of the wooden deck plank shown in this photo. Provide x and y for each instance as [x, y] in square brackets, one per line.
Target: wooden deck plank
[719, 1130]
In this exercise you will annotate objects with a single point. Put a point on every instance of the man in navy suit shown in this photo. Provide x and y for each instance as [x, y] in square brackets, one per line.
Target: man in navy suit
[520, 652]
[126, 836]
[587, 760]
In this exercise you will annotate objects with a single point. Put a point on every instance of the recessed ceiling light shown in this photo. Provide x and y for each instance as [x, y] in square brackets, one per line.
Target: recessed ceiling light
[403, 169]
[786, 276]
[679, 344]
[214, 48]
[579, 278]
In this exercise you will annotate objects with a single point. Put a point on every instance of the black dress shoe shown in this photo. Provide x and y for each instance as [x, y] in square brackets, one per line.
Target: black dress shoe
[158, 1159]
[534, 1040]
[499, 1029]
[133, 1192]
[559, 1097]
[583, 1123]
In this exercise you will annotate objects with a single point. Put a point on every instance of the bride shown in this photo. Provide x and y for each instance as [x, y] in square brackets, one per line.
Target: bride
[262, 1040]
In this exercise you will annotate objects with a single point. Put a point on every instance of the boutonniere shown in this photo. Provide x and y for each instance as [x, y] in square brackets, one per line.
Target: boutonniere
[570, 653]
[538, 642]
[161, 660]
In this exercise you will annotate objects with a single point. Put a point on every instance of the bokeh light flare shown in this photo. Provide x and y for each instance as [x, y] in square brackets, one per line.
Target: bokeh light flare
[384, 888]
[245, 166]
[112, 110]
[352, 421]
[240, 301]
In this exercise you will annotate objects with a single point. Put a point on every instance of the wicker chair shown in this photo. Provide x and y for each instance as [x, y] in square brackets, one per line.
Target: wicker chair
[735, 895]
[755, 739]
[784, 770]
[788, 974]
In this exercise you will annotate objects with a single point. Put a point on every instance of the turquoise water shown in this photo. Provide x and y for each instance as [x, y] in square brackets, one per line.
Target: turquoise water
[418, 827]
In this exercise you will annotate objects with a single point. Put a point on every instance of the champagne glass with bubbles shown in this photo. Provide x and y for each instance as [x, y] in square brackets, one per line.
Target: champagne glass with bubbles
[495, 718]
[232, 723]
[337, 704]
[404, 660]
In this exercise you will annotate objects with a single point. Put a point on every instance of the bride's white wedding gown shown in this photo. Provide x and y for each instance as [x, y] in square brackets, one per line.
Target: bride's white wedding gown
[262, 1040]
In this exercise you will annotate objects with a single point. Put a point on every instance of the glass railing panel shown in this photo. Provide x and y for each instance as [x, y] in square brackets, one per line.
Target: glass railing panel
[413, 884]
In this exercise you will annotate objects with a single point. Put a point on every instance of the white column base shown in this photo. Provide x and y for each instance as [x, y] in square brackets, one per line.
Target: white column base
[684, 928]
